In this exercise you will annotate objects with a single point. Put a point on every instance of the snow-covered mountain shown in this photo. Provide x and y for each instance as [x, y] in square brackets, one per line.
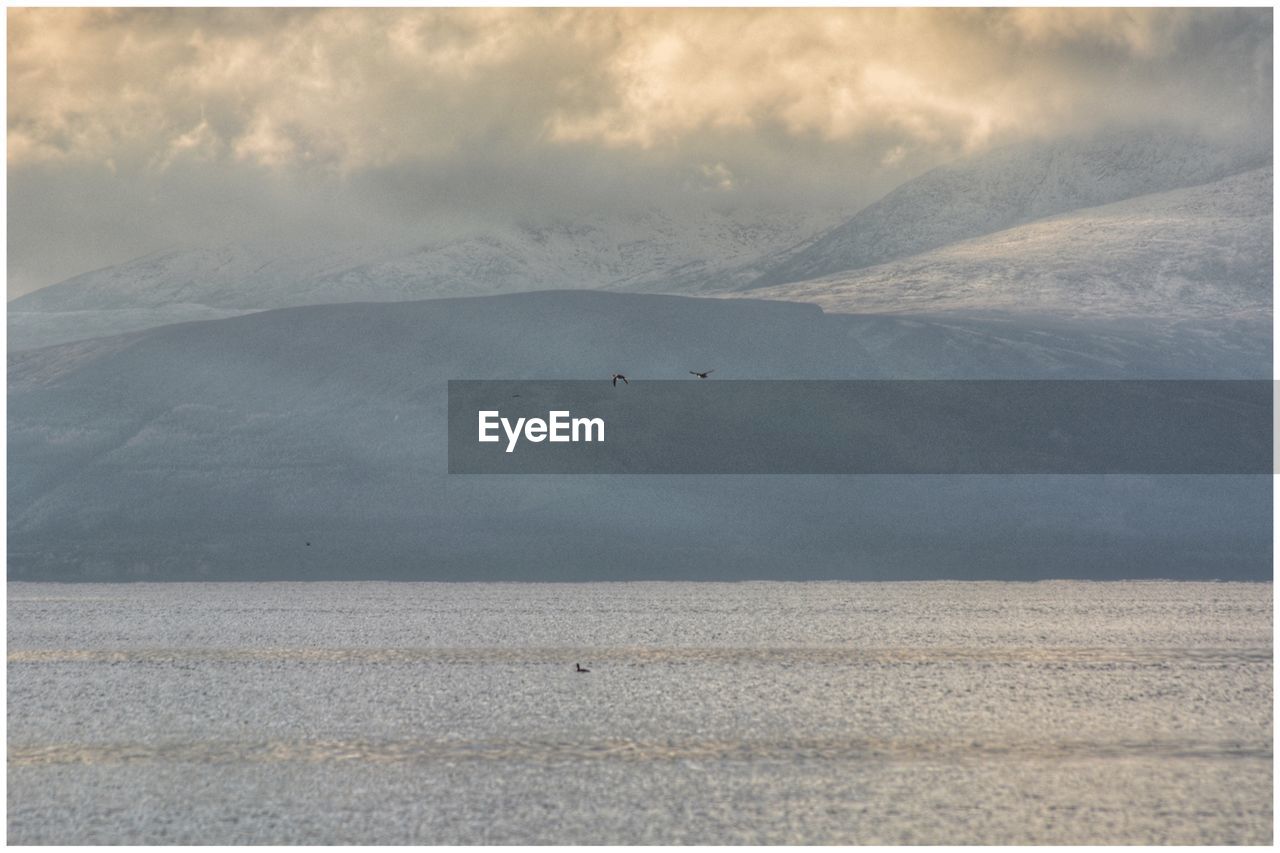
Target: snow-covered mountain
[1001, 189]
[640, 252]
[1027, 228]
[218, 449]
[1201, 254]
[619, 251]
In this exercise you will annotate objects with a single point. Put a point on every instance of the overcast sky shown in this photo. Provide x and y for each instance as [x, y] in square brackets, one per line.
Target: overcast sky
[135, 130]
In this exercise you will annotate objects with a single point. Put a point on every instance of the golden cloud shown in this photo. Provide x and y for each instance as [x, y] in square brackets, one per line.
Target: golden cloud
[345, 89]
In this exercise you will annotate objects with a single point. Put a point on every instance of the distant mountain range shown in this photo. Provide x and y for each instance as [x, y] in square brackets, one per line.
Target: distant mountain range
[618, 251]
[641, 252]
[1156, 225]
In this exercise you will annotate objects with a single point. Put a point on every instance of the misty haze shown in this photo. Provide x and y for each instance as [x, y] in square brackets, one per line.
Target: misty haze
[249, 249]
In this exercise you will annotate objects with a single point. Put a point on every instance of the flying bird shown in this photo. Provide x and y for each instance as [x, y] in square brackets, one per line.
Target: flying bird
[701, 375]
[618, 376]
[578, 668]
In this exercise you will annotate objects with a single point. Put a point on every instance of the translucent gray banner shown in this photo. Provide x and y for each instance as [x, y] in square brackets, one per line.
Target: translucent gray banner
[860, 427]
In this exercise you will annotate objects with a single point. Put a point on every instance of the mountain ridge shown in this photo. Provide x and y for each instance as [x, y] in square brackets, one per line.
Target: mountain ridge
[1195, 253]
[548, 255]
[1001, 189]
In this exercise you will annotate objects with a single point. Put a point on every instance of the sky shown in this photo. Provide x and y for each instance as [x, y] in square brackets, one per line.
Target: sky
[136, 130]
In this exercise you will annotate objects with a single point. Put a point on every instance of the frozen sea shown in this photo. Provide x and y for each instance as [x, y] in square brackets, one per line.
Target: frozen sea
[842, 713]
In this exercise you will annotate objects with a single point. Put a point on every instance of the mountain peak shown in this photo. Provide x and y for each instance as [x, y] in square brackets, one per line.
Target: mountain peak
[1007, 187]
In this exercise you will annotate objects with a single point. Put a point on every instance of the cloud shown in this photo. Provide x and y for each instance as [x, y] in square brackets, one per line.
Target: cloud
[426, 115]
[351, 89]
[1138, 32]
[717, 177]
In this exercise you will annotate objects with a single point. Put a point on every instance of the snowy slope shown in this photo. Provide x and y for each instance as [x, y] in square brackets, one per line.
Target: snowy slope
[629, 252]
[1002, 189]
[1201, 254]
[598, 253]
[216, 449]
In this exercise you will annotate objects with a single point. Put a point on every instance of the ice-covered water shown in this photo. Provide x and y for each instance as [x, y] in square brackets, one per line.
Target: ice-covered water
[713, 713]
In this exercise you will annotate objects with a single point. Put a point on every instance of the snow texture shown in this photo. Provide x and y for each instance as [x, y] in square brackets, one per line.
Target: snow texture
[1004, 188]
[1200, 255]
[641, 252]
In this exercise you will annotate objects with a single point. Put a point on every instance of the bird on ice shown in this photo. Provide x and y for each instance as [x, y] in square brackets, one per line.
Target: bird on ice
[578, 668]
[618, 376]
[702, 375]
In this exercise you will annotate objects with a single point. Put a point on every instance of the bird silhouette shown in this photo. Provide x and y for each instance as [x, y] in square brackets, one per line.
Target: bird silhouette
[578, 668]
[701, 375]
[618, 376]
